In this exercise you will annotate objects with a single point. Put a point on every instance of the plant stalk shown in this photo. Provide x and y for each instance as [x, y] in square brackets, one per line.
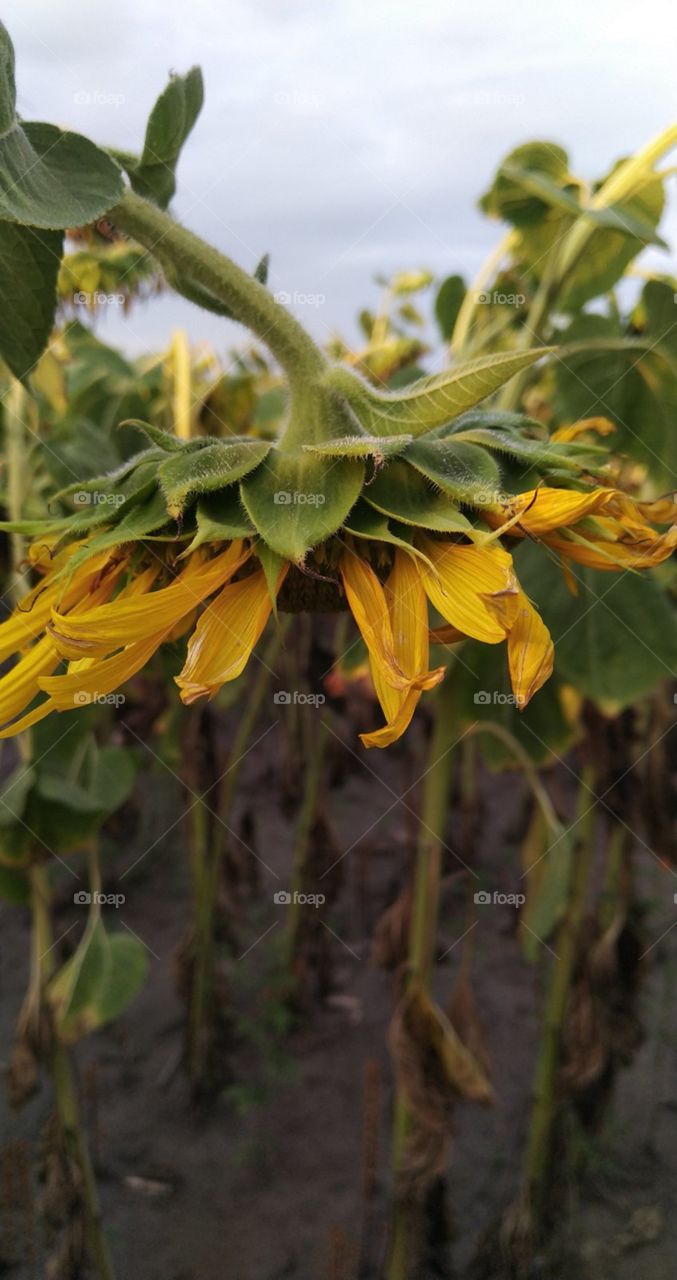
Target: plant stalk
[422, 940]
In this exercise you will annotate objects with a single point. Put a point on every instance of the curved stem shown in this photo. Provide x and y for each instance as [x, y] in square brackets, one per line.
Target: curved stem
[422, 939]
[184, 255]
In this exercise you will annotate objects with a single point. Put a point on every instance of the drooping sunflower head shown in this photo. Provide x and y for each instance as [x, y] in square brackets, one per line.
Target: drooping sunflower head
[409, 508]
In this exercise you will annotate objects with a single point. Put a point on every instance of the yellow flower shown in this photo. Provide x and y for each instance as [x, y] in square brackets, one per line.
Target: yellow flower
[603, 528]
[101, 620]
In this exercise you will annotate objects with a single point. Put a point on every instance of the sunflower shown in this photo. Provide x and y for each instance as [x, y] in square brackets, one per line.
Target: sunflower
[208, 538]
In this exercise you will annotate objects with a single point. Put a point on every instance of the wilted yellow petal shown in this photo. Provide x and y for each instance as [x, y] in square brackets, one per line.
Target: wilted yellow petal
[408, 615]
[20, 685]
[98, 631]
[461, 579]
[542, 510]
[369, 607]
[96, 679]
[531, 653]
[646, 549]
[600, 426]
[225, 635]
[33, 613]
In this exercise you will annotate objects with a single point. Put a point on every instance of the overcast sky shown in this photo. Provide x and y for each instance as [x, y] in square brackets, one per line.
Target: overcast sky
[348, 138]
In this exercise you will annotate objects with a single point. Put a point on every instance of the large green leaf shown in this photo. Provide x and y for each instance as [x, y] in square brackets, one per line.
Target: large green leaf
[49, 178]
[29, 266]
[296, 501]
[614, 641]
[97, 983]
[448, 304]
[429, 402]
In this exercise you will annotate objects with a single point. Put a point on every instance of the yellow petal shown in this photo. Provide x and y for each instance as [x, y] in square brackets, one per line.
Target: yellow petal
[27, 721]
[100, 630]
[461, 579]
[20, 685]
[33, 613]
[225, 635]
[408, 616]
[96, 679]
[643, 551]
[601, 427]
[542, 510]
[531, 652]
[369, 607]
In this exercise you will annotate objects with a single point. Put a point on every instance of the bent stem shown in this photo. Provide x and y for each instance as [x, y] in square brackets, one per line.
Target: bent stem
[422, 939]
[539, 1151]
[65, 1092]
[185, 257]
[207, 860]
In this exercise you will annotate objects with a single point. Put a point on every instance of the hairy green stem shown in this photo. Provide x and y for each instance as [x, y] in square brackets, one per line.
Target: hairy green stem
[422, 940]
[184, 255]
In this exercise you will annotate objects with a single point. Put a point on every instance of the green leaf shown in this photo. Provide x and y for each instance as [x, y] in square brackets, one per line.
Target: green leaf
[53, 179]
[448, 304]
[296, 501]
[169, 125]
[429, 402]
[366, 522]
[546, 907]
[220, 518]
[97, 983]
[609, 251]
[14, 793]
[526, 183]
[614, 641]
[144, 518]
[14, 887]
[399, 491]
[205, 470]
[465, 472]
[113, 778]
[29, 266]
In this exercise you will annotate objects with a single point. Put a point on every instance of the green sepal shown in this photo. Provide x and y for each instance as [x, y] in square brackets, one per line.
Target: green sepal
[377, 447]
[296, 501]
[402, 493]
[368, 523]
[202, 471]
[220, 517]
[465, 472]
[272, 565]
[169, 124]
[432, 401]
